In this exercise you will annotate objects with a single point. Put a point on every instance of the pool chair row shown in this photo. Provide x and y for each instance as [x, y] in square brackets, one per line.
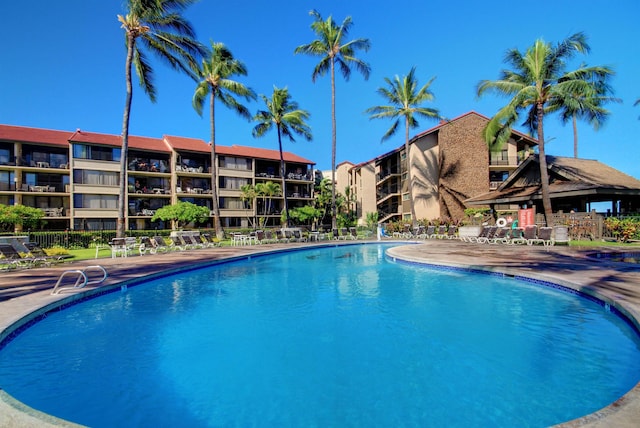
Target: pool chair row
[268, 237]
[125, 247]
[529, 235]
[29, 255]
[345, 234]
[428, 232]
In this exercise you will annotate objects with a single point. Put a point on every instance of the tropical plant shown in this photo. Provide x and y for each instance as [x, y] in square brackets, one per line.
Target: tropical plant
[181, 214]
[334, 50]
[248, 195]
[624, 230]
[283, 113]
[372, 220]
[305, 215]
[585, 99]
[215, 76]
[323, 197]
[405, 102]
[268, 190]
[537, 82]
[156, 26]
[17, 217]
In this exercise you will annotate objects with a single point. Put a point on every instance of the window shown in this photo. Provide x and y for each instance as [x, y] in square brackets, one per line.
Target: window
[5, 156]
[235, 163]
[233, 183]
[232, 203]
[95, 201]
[96, 178]
[84, 151]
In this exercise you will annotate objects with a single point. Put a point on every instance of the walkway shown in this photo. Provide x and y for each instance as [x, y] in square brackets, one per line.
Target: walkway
[26, 291]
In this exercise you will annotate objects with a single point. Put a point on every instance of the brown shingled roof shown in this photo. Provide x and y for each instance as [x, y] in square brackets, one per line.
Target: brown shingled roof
[190, 144]
[34, 135]
[135, 142]
[567, 176]
[254, 152]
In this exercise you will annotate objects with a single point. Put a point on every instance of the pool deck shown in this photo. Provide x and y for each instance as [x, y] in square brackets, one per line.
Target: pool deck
[27, 292]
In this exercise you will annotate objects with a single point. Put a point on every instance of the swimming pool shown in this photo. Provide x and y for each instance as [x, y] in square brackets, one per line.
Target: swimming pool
[336, 337]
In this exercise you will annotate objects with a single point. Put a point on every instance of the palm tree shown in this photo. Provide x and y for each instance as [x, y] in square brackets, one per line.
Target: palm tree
[215, 79]
[405, 100]
[333, 50]
[283, 113]
[537, 82]
[271, 189]
[585, 99]
[248, 195]
[158, 27]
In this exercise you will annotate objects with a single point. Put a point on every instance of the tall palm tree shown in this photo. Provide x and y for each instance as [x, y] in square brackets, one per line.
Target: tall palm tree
[158, 27]
[405, 102]
[585, 99]
[283, 113]
[334, 50]
[538, 81]
[215, 80]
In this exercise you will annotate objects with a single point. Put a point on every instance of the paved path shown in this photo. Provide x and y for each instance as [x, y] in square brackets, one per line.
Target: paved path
[26, 291]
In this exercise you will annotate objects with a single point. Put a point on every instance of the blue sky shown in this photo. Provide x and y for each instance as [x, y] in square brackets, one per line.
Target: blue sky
[63, 68]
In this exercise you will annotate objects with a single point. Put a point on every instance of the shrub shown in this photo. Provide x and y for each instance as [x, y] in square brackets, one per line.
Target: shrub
[624, 229]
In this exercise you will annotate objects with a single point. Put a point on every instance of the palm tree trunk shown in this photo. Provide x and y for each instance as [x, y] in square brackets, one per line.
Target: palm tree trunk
[575, 136]
[544, 172]
[122, 197]
[414, 220]
[334, 221]
[214, 179]
[284, 188]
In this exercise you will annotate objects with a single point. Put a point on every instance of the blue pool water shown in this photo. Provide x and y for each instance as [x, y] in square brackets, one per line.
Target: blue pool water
[324, 337]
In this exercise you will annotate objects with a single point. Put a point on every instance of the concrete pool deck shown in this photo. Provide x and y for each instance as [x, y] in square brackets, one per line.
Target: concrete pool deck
[27, 292]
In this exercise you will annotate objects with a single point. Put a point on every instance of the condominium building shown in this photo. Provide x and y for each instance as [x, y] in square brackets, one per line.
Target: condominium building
[449, 164]
[74, 178]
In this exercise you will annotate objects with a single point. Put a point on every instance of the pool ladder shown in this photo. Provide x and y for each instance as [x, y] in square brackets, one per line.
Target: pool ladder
[82, 279]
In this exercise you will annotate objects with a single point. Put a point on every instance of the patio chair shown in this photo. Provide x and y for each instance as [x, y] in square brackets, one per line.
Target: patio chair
[119, 247]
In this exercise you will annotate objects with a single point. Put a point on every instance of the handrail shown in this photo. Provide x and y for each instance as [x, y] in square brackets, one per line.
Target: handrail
[82, 279]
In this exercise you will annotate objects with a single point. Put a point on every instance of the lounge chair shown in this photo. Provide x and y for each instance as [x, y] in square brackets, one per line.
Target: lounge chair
[428, 232]
[13, 259]
[297, 235]
[353, 233]
[38, 253]
[517, 236]
[161, 244]
[530, 235]
[500, 236]
[491, 231]
[213, 242]
[147, 246]
[471, 238]
[543, 236]
[452, 232]
[440, 233]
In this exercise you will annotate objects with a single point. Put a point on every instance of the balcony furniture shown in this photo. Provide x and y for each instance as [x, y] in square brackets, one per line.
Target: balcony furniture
[42, 164]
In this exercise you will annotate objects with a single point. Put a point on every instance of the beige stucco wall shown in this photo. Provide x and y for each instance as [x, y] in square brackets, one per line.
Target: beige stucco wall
[364, 183]
[424, 175]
